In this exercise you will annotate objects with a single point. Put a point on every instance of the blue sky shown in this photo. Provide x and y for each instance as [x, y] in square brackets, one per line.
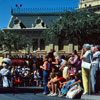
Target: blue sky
[6, 5]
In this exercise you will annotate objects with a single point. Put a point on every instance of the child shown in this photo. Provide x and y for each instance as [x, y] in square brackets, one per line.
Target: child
[55, 84]
[71, 83]
[52, 77]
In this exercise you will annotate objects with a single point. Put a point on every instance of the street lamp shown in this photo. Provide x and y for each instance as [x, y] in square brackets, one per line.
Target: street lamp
[18, 7]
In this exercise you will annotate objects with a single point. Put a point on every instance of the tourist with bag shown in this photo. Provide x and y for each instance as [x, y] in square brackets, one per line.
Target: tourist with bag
[86, 56]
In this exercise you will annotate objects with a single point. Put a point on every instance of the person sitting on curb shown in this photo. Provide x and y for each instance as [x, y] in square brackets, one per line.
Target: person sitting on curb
[69, 84]
[55, 84]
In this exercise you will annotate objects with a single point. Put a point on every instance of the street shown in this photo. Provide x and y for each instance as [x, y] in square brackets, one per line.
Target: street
[27, 96]
[34, 93]
[39, 96]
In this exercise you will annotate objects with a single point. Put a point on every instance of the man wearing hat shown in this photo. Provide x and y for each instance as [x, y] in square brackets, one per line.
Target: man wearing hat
[5, 71]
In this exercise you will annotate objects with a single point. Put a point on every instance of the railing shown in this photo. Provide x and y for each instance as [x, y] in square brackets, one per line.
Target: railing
[41, 10]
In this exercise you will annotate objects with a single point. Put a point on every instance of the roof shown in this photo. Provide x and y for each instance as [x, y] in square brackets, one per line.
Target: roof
[33, 19]
[30, 19]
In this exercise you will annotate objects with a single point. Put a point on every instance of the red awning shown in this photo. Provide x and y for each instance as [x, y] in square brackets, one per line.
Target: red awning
[18, 62]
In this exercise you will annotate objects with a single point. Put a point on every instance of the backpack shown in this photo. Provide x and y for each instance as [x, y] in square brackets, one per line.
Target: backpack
[75, 92]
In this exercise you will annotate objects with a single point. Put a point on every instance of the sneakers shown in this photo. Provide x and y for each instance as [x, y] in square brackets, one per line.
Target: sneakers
[50, 94]
[60, 94]
[85, 93]
[45, 93]
[55, 94]
[66, 96]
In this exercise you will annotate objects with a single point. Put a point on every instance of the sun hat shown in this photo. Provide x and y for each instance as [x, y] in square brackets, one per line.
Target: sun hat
[87, 46]
[7, 60]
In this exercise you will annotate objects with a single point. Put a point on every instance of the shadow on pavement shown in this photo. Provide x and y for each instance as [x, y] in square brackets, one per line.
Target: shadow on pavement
[21, 90]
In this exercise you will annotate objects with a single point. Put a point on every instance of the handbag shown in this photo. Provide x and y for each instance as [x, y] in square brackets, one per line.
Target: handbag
[86, 65]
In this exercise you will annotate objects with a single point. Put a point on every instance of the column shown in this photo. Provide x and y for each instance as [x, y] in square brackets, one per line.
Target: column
[76, 48]
[51, 46]
[66, 48]
[47, 48]
[70, 48]
[56, 48]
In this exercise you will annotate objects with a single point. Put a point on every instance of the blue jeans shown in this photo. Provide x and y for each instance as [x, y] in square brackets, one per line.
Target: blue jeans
[45, 80]
[94, 77]
[65, 89]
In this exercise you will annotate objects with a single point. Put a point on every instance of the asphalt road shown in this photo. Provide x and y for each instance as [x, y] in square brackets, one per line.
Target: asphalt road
[28, 96]
[30, 93]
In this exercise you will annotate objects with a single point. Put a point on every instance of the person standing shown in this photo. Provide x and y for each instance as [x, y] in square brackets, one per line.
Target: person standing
[5, 72]
[63, 66]
[86, 55]
[46, 71]
[75, 61]
[57, 61]
[95, 69]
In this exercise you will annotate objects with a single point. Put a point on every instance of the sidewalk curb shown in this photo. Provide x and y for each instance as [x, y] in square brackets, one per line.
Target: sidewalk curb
[91, 97]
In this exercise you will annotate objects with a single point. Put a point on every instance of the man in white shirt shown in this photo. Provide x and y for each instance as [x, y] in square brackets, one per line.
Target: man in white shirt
[95, 68]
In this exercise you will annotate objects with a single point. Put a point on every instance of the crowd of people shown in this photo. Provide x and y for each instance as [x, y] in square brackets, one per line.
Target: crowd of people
[20, 72]
[69, 76]
[63, 73]
[74, 74]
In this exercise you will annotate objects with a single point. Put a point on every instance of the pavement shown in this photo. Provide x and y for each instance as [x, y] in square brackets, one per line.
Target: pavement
[34, 93]
[90, 97]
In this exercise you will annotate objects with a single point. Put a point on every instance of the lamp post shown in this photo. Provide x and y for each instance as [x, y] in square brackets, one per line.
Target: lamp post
[18, 7]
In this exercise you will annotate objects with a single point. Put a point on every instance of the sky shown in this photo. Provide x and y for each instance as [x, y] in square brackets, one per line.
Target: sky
[6, 5]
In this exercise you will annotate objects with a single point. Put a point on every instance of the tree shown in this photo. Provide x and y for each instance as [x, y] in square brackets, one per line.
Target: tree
[77, 27]
[13, 41]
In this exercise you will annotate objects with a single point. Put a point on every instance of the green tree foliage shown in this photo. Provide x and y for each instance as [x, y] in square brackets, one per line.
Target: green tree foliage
[76, 27]
[13, 41]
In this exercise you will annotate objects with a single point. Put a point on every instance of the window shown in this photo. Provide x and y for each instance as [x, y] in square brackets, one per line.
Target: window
[60, 45]
[38, 21]
[16, 21]
[85, 5]
[89, 5]
[35, 44]
[42, 44]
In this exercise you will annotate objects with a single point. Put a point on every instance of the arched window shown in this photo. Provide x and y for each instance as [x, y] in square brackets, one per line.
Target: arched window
[16, 21]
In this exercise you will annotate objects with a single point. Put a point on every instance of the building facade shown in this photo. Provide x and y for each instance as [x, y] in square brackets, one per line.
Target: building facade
[32, 23]
[91, 5]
